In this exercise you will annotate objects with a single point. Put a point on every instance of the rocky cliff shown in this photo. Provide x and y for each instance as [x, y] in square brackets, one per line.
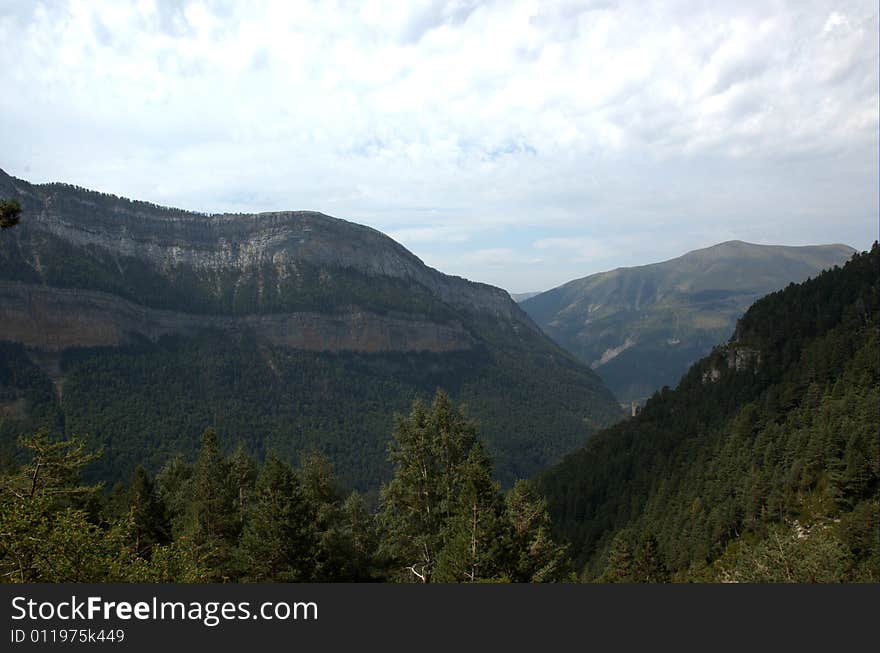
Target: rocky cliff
[140, 325]
[278, 263]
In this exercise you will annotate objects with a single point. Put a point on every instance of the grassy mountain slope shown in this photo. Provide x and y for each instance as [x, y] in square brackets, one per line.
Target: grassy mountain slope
[641, 328]
[761, 465]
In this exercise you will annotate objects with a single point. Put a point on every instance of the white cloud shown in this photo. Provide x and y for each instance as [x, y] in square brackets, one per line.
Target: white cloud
[418, 235]
[584, 249]
[497, 256]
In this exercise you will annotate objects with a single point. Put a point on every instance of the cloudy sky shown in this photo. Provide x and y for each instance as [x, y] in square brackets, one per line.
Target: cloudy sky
[518, 143]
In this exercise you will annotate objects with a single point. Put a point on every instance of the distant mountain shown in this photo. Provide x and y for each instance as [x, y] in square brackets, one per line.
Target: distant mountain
[523, 296]
[641, 328]
[762, 465]
[140, 326]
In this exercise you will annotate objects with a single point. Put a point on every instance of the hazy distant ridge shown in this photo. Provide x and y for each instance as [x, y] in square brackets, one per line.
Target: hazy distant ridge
[640, 328]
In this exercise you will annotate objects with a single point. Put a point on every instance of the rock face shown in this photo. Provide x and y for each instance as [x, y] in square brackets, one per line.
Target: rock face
[234, 264]
[54, 319]
[142, 325]
[641, 328]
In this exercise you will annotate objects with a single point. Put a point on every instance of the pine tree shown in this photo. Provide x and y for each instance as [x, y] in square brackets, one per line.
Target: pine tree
[428, 450]
[53, 470]
[361, 538]
[621, 566]
[45, 534]
[476, 536]
[243, 475]
[536, 556]
[279, 540]
[324, 496]
[174, 484]
[212, 519]
[648, 565]
[149, 519]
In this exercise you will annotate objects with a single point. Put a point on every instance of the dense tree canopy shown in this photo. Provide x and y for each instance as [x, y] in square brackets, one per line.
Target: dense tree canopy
[761, 465]
[226, 518]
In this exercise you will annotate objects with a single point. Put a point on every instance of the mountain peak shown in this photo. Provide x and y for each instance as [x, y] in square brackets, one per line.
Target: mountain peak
[641, 327]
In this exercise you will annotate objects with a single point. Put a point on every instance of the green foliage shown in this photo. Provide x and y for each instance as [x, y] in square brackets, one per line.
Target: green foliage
[53, 470]
[10, 213]
[444, 518]
[27, 398]
[648, 564]
[143, 403]
[53, 529]
[48, 532]
[430, 446]
[762, 466]
[149, 522]
[536, 556]
[213, 522]
[790, 554]
[620, 567]
[778, 427]
[477, 537]
[279, 538]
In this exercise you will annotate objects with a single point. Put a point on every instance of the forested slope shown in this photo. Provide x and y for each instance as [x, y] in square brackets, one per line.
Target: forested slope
[761, 465]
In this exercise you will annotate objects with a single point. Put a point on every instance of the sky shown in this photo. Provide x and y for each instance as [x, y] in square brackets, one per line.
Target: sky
[521, 144]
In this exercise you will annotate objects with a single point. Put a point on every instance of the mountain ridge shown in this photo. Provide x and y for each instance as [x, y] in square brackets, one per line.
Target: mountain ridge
[227, 241]
[284, 330]
[768, 446]
[641, 327]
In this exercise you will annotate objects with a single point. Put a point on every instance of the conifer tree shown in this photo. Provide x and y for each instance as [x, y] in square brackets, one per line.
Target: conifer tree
[149, 519]
[41, 508]
[174, 487]
[324, 497]
[45, 534]
[476, 536]
[360, 541]
[54, 469]
[243, 475]
[648, 564]
[212, 522]
[428, 450]
[279, 540]
[621, 567]
[536, 556]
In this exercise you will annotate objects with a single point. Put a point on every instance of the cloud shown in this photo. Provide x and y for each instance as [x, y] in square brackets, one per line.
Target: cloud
[577, 248]
[498, 124]
[499, 256]
[418, 235]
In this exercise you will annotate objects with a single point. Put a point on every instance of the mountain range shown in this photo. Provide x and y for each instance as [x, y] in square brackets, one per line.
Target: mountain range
[139, 326]
[641, 328]
[762, 465]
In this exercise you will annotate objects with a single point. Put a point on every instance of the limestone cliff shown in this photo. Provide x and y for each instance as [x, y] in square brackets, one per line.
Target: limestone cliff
[303, 272]
[140, 326]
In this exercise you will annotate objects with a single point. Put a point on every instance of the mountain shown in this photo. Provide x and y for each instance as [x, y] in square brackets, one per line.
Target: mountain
[520, 297]
[140, 326]
[641, 328]
[762, 464]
